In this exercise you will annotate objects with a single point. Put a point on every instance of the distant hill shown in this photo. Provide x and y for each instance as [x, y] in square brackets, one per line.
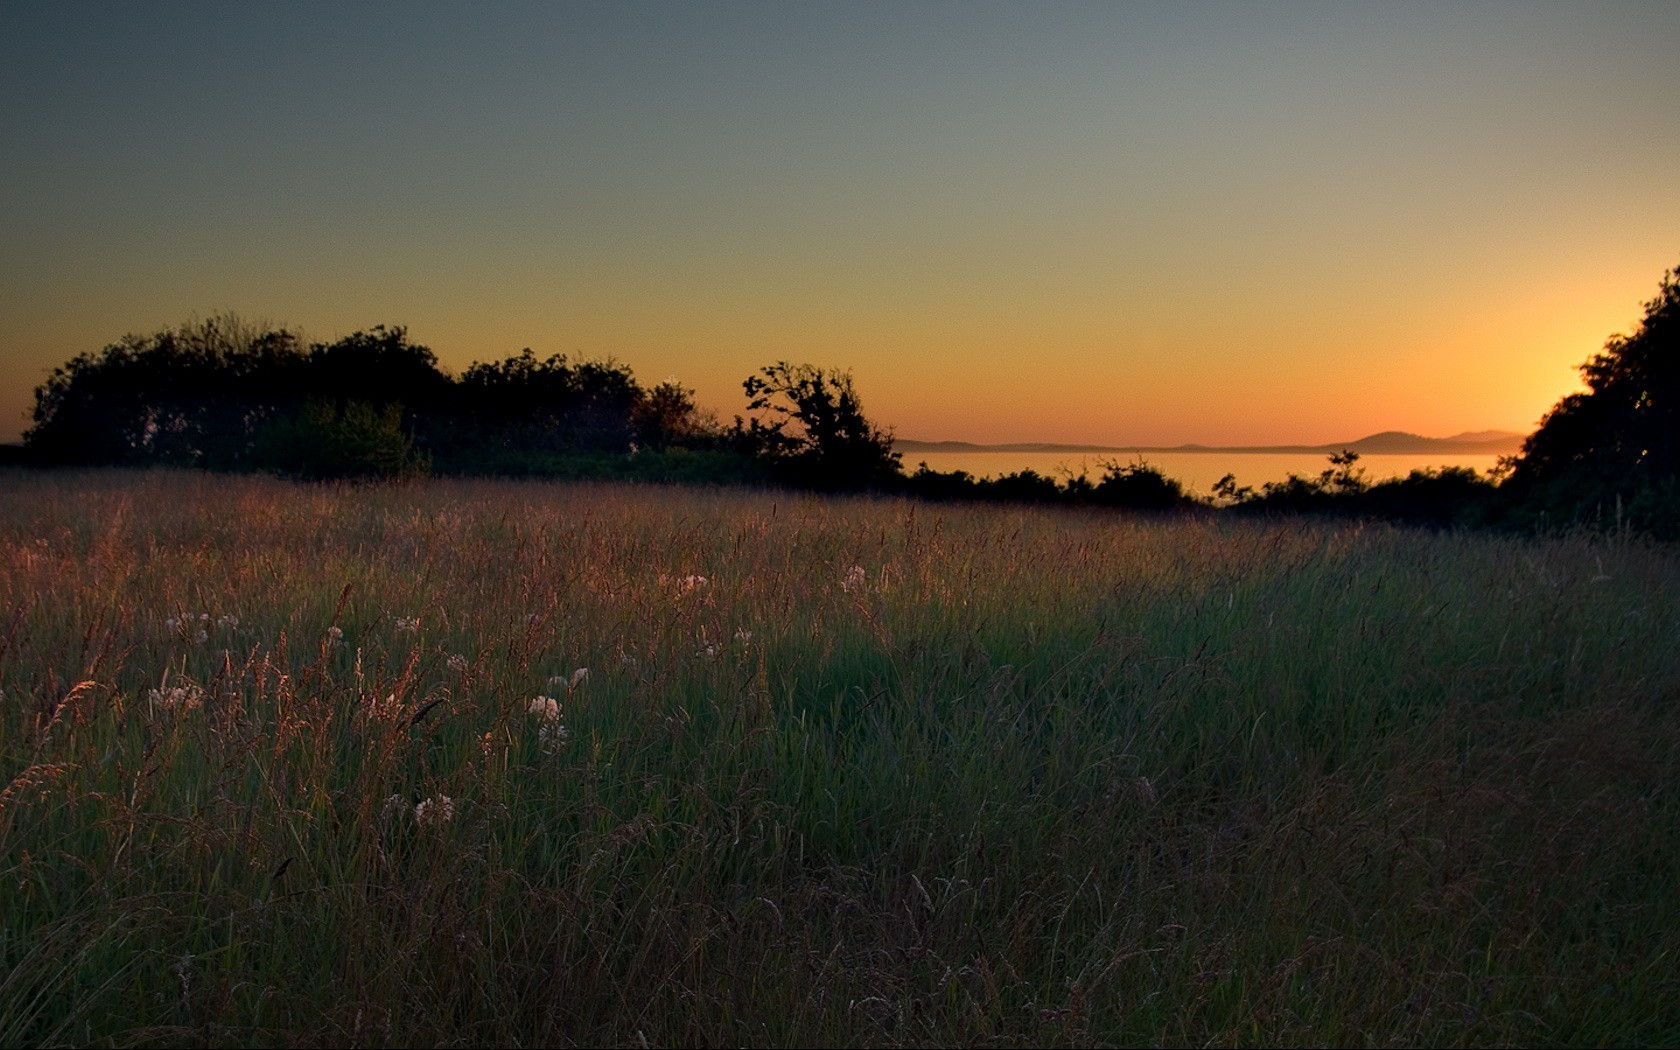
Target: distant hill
[1390, 442]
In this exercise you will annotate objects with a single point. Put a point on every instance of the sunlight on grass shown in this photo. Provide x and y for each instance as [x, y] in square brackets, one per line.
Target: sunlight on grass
[491, 762]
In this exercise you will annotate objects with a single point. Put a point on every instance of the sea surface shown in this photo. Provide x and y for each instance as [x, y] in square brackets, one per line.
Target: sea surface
[1197, 471]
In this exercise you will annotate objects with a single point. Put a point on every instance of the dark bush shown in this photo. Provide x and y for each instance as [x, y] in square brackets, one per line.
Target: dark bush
[349, 440]
[1137, 486]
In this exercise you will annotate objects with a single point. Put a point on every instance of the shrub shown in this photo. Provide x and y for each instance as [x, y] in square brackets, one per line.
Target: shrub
[349, 440]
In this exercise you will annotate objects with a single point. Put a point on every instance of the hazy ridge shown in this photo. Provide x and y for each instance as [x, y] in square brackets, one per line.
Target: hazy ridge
[1486, 442]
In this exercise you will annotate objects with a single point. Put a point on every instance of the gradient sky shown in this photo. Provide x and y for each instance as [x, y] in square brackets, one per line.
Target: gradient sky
[1106, 223]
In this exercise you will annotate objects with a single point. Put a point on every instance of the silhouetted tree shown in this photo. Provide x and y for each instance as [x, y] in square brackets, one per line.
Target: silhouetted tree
[195, 394]
[379, 367]
[1616, 446]
[927, 483]
[1437, 497]
[1138, 486]
[667, 416]
[1022, 486]
[1337, 489]
[813, 427]
[207, 392]
[551, 405]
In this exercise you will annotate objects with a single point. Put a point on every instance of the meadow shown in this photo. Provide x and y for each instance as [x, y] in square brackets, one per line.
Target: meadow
[474, 762]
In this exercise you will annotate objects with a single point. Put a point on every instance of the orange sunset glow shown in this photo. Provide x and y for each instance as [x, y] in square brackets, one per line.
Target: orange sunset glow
[1072, 223]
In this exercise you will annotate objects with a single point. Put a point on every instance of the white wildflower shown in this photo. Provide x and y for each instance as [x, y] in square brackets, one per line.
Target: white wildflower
[230, 622]
[410, 624]
[855, 577]
[203, 636]
[172, 624]
[743, 637]
[335, 636]
[457, 662]
[439, 809]
[187, 697]
[692, 583]
[552, 734]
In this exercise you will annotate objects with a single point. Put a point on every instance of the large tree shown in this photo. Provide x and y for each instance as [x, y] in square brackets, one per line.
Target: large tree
[551, 405]
[196, 394]
[1617, 445]
[811, 424]
[216, 392]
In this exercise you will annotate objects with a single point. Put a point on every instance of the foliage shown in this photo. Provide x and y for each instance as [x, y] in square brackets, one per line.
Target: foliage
[1437, 498]
[225, 394]
[667, 417]
[1336, 489]
[379, 367]
[195, 394]
[1138, 486]
[1447, 496]
[812, 427]
[551, 405]
[346, 440]
[943, 486]
[1613, 451]
[221, 392]
[1022, 486]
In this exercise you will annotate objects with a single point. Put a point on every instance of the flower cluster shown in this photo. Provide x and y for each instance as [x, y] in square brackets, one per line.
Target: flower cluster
[196, 629]
[855, 578]
[551, 732]
[434, 811]
[177, 697]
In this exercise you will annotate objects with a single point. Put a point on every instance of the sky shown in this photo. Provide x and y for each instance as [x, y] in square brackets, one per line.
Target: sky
[1109, 223]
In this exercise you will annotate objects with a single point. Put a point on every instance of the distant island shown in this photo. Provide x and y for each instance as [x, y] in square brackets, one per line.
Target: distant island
[1389, 442]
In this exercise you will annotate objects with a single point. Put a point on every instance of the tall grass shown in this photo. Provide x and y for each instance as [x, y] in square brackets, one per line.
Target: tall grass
[275, 771]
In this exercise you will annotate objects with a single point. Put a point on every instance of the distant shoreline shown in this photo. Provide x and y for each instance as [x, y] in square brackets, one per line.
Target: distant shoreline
[1489, 443]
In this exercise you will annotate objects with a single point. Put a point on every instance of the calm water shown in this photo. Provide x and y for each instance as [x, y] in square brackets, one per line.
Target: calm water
[1197, 470]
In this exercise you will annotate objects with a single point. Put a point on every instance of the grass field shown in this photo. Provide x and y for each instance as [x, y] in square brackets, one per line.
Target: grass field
[499, 763]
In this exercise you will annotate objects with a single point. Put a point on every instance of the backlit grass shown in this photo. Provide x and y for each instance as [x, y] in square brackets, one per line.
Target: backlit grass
[819, 771]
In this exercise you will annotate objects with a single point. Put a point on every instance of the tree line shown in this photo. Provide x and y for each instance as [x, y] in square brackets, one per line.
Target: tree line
[222, 394]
